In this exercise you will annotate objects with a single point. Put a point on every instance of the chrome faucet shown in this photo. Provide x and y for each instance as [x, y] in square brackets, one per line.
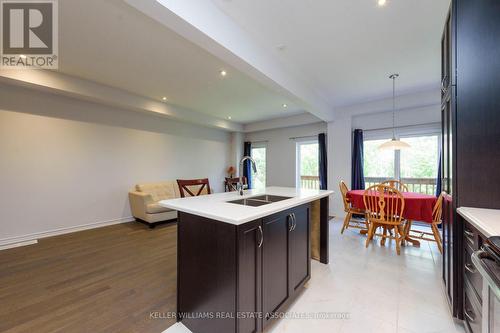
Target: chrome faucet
[240, 183]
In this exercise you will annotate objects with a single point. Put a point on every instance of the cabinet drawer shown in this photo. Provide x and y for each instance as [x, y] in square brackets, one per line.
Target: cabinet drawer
[472, 311]
[470, 237]
[472, 274]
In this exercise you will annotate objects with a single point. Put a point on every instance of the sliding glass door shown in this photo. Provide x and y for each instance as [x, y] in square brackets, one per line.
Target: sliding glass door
[259, 155]
[308, 164]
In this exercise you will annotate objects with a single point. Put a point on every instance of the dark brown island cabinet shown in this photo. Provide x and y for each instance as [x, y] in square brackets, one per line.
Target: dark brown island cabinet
[239, 277]
[470, 155]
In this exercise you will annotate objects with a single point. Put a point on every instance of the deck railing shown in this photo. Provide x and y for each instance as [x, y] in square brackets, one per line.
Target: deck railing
[419, 185]
[309, 182]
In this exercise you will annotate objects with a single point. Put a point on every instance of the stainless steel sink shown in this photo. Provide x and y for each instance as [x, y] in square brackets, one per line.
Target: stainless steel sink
[271, 198]
[259, 200]
[250, 202]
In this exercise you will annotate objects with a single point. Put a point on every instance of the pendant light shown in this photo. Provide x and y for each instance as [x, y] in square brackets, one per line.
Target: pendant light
[394, 144]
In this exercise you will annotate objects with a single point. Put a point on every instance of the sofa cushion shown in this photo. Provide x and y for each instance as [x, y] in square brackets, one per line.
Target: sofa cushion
[155, 208]
[160, 190]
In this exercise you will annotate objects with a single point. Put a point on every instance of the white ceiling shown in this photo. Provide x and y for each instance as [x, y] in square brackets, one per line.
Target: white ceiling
[335, 53]
[111, 43]
[346, 49]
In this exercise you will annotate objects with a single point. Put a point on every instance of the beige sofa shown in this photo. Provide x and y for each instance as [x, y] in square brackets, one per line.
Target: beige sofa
[144, 201]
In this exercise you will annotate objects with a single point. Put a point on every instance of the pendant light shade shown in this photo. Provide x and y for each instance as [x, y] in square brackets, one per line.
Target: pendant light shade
[394, 144]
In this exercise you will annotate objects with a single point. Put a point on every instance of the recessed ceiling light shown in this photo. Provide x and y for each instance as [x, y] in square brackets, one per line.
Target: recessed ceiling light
[285, 106]
[229, 117]
[382, 2]
[164, 98]
[223, 73]
[22, 56]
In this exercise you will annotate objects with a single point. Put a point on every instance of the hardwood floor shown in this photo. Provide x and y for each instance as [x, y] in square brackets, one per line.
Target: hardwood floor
[102, 280]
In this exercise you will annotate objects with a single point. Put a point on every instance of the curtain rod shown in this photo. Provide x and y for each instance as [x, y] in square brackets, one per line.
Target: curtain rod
[305, 137]
[407, 126]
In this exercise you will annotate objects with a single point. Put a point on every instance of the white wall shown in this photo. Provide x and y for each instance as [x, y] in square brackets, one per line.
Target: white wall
[339, 160]
[237, 141]
[281, 151]
[282, 122]
[416, 116]
[67, 163]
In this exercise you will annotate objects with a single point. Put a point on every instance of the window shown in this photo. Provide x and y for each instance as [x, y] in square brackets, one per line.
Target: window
[377, 163]
[417, 166]
[308, 164]
[259, 155]
[421, 160]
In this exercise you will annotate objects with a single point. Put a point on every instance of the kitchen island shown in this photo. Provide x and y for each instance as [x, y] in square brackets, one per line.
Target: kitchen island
[242, 259]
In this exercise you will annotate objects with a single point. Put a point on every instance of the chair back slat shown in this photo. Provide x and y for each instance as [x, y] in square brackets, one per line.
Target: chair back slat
[397, 184]
[231, 183]
[437, 211]
[343, 191]
[190, 186]
[370, 199]
[384, 204]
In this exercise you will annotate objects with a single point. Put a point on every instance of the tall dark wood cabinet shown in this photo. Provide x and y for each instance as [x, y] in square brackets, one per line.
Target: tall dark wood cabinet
[470, 94]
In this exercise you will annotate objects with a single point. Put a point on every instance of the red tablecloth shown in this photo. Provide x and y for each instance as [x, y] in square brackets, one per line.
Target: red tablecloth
[418, 207]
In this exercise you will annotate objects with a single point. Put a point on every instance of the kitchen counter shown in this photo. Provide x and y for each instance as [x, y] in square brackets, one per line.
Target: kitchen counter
[237, 260]
[487, 221]
[216, 207]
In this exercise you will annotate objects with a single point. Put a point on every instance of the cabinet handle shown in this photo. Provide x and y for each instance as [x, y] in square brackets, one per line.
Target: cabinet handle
[468, 233]
[261, 236]
[290, 220]
[444, 83]
[294, 221]
[471, 318]
[470, 268]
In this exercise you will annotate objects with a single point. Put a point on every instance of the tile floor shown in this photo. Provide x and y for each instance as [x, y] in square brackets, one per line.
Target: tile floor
[379, 290]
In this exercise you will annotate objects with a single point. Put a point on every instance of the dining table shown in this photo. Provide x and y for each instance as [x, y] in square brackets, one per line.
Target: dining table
[418, 206]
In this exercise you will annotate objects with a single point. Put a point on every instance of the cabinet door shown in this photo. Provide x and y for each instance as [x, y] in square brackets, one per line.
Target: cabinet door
[275, 263]
[300, 253]
[250, 241]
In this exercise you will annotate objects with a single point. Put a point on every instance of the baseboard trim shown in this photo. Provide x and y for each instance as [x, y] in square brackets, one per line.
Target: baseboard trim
[7, 243]
[13, 245]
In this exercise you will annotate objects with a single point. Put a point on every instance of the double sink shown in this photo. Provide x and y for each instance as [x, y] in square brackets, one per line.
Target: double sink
[259, 200]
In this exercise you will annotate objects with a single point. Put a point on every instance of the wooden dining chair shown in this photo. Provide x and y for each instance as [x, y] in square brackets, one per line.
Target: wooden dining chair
[200, 186]
[397, 184]
[384, 208]
[230, 184]
[350, 210]
[433, 236]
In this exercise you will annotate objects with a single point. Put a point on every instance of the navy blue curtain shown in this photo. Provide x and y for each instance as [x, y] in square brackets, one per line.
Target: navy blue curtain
[323, 162]
[438, 180]
[247, 167]
[357, 176]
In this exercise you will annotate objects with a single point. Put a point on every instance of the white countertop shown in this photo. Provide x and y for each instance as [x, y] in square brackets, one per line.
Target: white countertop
[487, 221]
[216, 207]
